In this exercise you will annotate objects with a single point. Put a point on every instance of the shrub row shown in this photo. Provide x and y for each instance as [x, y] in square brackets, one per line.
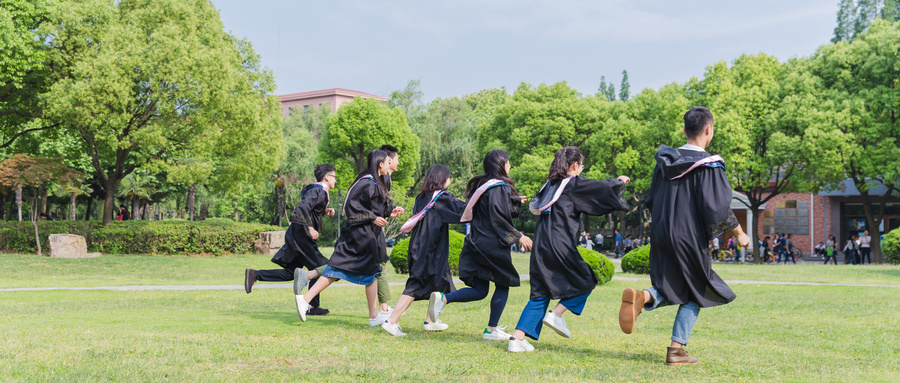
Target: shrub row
[602, 266]
[890, 246]
[401, 249]
[637, 261]
[169, 237]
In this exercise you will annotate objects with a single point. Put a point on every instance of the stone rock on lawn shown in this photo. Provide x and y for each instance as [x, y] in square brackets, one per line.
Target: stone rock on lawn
[69, 246]
[269, 242]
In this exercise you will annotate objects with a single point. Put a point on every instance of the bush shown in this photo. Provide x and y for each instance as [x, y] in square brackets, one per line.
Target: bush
[890, 247]
[169, 237]
[637, 261]
[401, 249]
[602, 266]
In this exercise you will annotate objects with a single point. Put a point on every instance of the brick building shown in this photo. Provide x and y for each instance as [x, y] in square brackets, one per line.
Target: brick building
[334, 97]
[810, 218]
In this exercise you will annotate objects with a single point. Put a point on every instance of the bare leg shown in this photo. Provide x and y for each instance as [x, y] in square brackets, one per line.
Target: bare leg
[317, 288]
[675, 344]
[518, 334]
[312, 274]
[385, 306]
[559, 310]
[372, 299]
[402, 305]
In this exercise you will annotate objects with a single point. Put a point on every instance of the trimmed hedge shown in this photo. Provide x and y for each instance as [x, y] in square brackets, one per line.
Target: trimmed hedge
[890, 247]
[401, 249]
[637, 261]
[169, 237]
[602, 266]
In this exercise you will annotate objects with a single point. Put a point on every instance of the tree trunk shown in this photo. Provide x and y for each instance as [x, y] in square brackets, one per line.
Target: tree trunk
[204, 210]
[72, 206]
[109, 204]
[135, 209]
[147, 209]
[43, 193]
[34, 215]
[279, 204]
[192, 193]
[236, 216]
[19, 201]
[872, 225]
[90, 208]
[3, 206]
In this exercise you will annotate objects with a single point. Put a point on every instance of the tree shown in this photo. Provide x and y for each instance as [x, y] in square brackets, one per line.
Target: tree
[22, 170]
[360, 126]
[625, 88]
[606, 89]
[24, 73]
[409, 99]
[447, 131]
[148, 79]
[856, 86]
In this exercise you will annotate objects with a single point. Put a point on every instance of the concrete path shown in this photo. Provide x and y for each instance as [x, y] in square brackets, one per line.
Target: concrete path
[264, 285]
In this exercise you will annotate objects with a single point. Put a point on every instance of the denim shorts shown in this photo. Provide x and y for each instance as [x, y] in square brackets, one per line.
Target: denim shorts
[359, 279]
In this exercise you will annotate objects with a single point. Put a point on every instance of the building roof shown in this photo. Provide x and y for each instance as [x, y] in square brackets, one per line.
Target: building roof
[328, 92]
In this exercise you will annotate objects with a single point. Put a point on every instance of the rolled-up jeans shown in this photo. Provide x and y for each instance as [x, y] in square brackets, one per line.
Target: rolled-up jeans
[684, 320]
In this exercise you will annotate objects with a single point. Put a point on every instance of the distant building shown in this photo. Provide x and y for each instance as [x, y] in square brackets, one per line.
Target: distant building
[334, 97]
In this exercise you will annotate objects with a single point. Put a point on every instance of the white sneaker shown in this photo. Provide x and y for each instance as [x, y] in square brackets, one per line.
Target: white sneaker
[393, 329]
[558, 324]
[516, 345]
[435, 326]
[379, 319]
[388, 312]
[302, 307]
[497, 334]
[435, 305]
[299, 280]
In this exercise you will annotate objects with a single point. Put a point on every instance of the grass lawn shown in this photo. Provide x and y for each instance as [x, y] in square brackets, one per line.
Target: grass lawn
[770, 333]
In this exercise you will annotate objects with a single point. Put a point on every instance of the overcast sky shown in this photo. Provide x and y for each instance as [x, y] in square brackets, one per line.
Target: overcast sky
[458, 47]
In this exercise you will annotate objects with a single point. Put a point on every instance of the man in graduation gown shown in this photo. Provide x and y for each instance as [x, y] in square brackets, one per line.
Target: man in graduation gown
[300, 249]
[689, 200]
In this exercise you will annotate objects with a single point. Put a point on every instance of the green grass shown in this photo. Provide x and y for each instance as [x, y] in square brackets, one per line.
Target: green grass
[770, 333]
[806, 272]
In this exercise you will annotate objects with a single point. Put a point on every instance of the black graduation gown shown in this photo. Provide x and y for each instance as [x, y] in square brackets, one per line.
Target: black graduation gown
[485, 253]
[429, 246]
[361, 248]
[557, 269]
[299, 249]
[687, 213]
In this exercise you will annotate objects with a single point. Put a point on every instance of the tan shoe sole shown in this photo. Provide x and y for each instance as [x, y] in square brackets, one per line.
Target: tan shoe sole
[626, 312]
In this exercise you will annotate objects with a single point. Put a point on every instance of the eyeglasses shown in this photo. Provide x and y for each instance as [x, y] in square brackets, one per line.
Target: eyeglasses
[332, 176]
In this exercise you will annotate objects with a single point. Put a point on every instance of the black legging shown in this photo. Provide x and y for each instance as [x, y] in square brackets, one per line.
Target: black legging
[479, 292]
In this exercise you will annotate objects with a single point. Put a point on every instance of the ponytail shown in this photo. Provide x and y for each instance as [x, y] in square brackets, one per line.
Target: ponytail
[564, 158]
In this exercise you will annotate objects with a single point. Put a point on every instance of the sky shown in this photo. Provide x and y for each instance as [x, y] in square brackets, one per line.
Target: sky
[459, 47]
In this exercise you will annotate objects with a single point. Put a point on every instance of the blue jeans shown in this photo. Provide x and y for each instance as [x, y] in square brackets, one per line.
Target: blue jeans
[532, 317]
[684, 320]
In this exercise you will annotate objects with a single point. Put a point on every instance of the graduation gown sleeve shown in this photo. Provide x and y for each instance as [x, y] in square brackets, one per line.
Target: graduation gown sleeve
[715, 202]
[598, 197]
[501, 212]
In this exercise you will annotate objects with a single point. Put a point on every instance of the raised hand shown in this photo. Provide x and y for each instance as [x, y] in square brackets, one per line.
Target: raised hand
[397, 212]
[624, 179]
[329, 211]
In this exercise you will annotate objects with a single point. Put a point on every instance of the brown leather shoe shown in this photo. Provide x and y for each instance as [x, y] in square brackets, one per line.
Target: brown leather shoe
[632, 304]
[249, 280]
[676, 356]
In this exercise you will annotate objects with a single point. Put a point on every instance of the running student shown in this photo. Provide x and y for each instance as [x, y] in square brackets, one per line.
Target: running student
[690, 202]
[429, 247]
[384, 288]
[300, 249]
[361, 246]
[492, 204]
[557, 270]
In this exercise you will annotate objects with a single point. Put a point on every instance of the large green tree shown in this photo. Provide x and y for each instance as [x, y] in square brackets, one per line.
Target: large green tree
[24, 73]
[148, 79]
[859, 96]
[360, 126]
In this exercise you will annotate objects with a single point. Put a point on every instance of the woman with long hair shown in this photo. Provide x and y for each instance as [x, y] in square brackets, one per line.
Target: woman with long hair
[361, 246]
[429, 247]
[492, 203]
[557, 270]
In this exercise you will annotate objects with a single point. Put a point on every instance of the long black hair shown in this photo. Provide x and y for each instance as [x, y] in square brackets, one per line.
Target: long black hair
[494, 168]
[435, 179]
[565, 157]
[375, 158]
